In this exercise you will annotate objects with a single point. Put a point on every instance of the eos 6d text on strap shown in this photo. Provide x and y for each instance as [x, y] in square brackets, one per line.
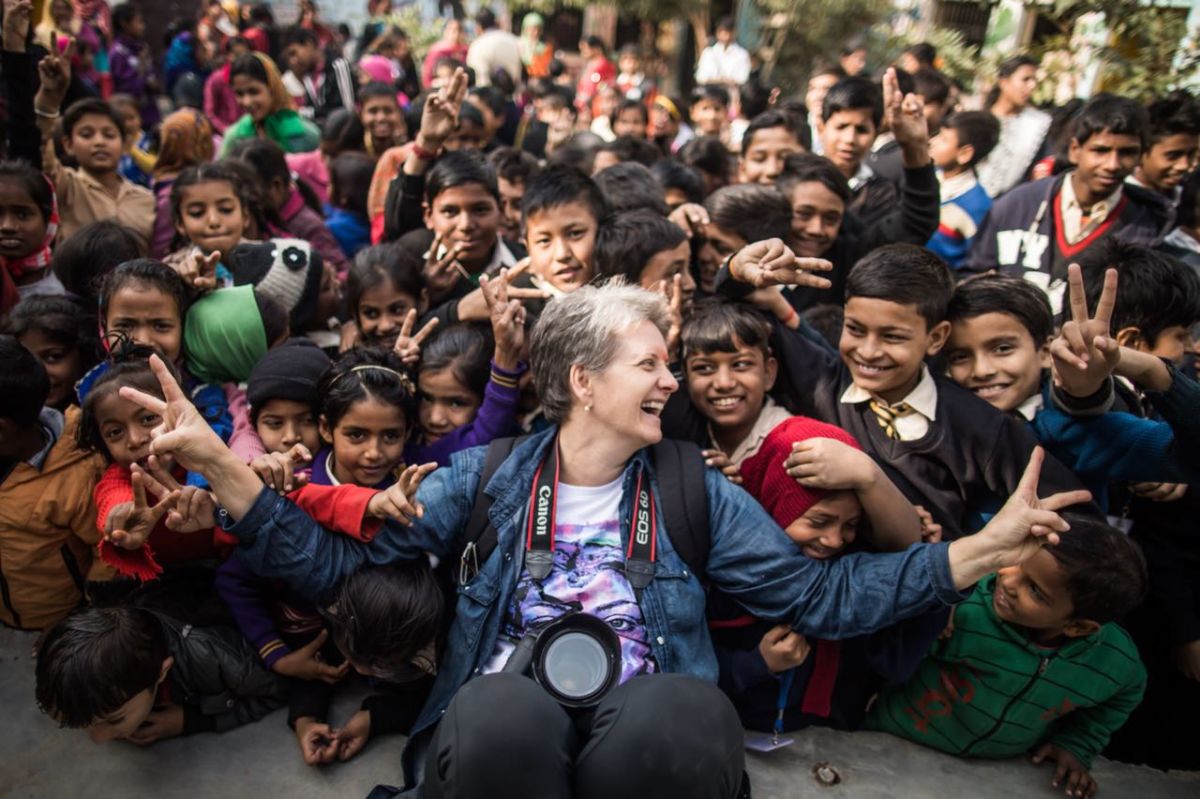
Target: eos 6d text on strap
[539, 533]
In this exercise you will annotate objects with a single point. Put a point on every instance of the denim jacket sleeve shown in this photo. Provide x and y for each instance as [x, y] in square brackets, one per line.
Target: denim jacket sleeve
[756, 564]
[279, 540]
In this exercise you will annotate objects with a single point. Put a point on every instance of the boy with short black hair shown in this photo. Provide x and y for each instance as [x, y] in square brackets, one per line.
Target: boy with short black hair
[629, 186]
[946, 449]
[514, 171]
[318, 84]
[47, 516]
[999, 349]
[964, 140]
[92, 134]
[709, 111]
[562, 211]
[1038, 228]
[127, 673]
[854, 112]
[646, 249]
[681, 183]
[769, 139]
[1034, 660]
[1174, 144]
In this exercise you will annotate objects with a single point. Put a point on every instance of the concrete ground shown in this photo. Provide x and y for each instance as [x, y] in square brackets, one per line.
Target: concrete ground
[37, 759]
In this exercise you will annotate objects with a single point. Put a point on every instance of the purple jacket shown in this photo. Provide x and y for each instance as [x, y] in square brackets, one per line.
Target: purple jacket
[131, 65]
[496, 418]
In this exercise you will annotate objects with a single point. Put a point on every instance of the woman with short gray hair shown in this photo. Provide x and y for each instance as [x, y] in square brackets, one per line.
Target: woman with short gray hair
[578, 522]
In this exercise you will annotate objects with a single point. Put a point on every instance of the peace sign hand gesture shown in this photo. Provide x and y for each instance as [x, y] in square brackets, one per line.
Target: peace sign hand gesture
[904, 114]
[440, 115]
[508, 320]
[130, 524]
[1024, 525]
[772, 263]
[442, 270]
[194, 507]
[54, 73]
[408, 346]
[1085, 354]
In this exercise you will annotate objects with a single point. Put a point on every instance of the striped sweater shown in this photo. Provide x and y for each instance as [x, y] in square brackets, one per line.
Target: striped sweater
[987, 691]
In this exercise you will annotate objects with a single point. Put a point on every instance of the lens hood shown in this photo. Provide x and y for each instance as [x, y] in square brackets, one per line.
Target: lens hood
[576, 658]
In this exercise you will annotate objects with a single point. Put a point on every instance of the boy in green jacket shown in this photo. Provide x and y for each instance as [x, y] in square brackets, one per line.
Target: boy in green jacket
[1033, 659]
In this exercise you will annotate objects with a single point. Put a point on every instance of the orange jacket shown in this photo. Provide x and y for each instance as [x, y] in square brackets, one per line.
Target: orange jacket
[47, 532]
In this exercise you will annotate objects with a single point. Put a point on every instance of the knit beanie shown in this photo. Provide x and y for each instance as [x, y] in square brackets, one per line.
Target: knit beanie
[224, 336]
[290, 372]
[763, 475]
[286, 270]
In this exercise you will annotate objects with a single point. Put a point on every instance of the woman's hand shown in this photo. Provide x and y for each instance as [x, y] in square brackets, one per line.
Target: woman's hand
[831, 464]
[772, 263]
[1023, 526]
[508, 320]
[720, 461]
[399, 500]
[408, 346]
[278, 469]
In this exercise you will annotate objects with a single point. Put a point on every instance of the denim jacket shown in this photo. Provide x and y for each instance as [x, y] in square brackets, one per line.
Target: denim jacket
[751, 559]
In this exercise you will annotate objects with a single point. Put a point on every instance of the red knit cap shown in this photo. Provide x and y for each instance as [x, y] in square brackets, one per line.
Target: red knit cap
[764, 477]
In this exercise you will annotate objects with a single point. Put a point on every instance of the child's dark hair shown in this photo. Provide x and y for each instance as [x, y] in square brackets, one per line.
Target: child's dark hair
[1004, 294]
[627, 241]
[82, 261]
[1188, 214]
[980, 129]
[362, 373]
[719, 325]
[775, 118]
[349, 180]
[630, 185]
[376, 89]
[90, 106]
[211, 172]
[122, 15]
[714, 93]
[755, 96]
[296, 34]
[851, 94]
[810, 168]
[1105, 569]
[464, 348]
[23, 383]
[1155, 290]
[1175, 113]
[924, 53]
[751, 211]
[394, 261]
[1114, 114]
[933, 86]
[146, 271]
[630, 149]
[827, 319]
[907, 275]
[1007, 69]
[627, 104]
[514, 165]
[32, 181]
[95, 660]
[128, 365]
[380, 617]
[671, 174]
[460, 168]
[343, 131]
[491, 97]
[558, 185]
[61, 320]
[267, 160]
[709, 155]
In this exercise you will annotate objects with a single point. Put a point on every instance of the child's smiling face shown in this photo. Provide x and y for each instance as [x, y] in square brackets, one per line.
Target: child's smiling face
[828, 527]
[368, 442]
[884, 345]
[994, 356]
[729, 388]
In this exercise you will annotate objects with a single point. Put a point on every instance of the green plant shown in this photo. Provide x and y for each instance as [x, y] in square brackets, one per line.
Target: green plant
[956, 58]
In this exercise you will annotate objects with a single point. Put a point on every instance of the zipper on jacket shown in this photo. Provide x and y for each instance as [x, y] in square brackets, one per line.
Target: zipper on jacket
[1041, 669]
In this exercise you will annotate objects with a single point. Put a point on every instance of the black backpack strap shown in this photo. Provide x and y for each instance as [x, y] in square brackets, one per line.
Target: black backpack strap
[479, 537]
[679, 467]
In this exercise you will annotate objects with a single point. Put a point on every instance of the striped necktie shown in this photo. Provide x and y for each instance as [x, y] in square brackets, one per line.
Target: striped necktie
[887, 415]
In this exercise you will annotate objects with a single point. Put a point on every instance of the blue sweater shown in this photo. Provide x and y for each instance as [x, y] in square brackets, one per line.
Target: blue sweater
[1118, 446]
[961, 218]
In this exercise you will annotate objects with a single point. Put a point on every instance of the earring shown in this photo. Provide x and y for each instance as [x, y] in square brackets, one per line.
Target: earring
[587, 408]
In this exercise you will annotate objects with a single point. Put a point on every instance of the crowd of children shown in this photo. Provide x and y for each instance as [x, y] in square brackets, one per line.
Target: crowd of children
[884, 299]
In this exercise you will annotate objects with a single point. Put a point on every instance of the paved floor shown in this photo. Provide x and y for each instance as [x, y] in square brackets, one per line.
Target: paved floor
[260, 761]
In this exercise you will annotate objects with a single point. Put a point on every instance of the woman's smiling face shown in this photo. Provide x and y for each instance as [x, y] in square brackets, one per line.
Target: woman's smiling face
[628, 396]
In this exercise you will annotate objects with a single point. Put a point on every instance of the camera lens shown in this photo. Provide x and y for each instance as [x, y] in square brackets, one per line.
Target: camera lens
[576, 665]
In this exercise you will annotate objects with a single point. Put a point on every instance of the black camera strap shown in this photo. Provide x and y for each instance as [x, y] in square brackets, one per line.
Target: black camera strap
[539, 533]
